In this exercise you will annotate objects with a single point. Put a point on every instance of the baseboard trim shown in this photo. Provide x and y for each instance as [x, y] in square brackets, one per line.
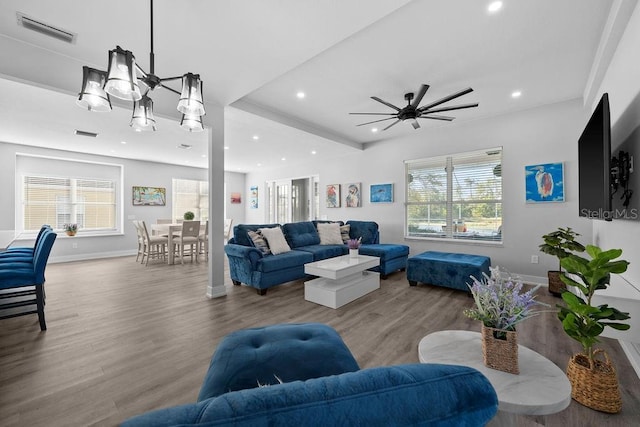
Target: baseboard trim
[632, 350]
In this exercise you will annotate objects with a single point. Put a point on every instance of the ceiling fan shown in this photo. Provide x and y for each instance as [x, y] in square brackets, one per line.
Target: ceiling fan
[412, 112]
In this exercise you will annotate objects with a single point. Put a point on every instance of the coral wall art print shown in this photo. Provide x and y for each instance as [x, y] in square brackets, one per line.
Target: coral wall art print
[544, 182]
[332, 196]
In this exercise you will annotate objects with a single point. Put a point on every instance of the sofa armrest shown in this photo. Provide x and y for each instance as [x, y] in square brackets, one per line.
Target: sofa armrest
[249, 253]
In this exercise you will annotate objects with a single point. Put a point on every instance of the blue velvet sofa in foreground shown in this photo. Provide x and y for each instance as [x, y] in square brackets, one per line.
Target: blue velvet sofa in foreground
[304, 375]
[248, 265]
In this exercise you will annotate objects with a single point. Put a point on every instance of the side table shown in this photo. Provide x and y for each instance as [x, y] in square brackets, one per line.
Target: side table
[542, 388]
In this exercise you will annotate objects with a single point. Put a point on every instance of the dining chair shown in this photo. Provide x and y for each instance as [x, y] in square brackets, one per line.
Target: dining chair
[227, 229]
[203, 241]
[154, 246]
[188, 237]
[140, 237]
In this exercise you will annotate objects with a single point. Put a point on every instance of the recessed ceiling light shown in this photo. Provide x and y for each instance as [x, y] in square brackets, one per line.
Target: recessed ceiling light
[284, 158]
[259, 164]
[374, 130]
[123, 142]
[313, 152]
[204, 156]
[256, 137]
[494, 6]
[226, 148]
[516, 94]
[300, 95]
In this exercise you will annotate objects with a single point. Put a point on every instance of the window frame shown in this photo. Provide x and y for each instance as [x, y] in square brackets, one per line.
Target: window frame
[455, 231]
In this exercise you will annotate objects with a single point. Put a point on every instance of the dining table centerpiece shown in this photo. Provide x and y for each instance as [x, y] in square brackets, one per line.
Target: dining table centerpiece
[501, 304]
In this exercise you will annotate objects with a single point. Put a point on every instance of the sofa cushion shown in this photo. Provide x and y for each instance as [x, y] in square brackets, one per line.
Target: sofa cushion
[324, 251]
[258, 242]
[344, 233]
[240, 236]
[368, 230]
[293, 258]
[330, 234]
[301, 234]
[275, 239]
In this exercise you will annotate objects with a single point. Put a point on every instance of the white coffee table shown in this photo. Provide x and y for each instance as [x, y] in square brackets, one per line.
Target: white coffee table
[341, 279]
[541, 388]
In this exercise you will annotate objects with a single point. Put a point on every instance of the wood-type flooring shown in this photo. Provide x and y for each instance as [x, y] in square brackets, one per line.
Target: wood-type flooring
[124, 339]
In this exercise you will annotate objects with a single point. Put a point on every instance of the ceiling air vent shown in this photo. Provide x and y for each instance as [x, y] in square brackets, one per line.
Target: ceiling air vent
[185, 146]
[44, 28]
[85, 133]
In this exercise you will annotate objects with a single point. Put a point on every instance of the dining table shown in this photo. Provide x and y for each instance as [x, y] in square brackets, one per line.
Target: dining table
[171, 231]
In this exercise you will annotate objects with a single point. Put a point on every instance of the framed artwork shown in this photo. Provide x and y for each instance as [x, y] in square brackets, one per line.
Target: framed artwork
[353, 197]
[236, 198]
[149, 196]
[381, 193]
[253, 197]
[332, 196]
[544, 182]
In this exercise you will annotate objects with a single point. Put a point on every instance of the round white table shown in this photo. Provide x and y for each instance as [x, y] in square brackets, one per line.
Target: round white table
[541, 388]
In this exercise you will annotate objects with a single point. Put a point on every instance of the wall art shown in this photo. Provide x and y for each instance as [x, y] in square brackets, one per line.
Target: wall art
[544, 182]
[149, 196]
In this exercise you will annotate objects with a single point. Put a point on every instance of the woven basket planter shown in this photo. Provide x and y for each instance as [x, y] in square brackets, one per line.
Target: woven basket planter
[556, 286]
[595, 387]
[499, 353]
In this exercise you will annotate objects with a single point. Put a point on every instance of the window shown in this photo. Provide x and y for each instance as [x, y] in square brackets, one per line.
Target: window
[190, 196]
[50, 197]
[457, 196]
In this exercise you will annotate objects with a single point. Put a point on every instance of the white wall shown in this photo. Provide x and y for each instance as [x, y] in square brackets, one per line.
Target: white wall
[622, 82]
[541, 135]
[136, 173]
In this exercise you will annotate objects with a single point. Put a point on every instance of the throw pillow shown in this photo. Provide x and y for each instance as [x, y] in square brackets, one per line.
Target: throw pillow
[344, 232]
[275, 238]
[329, 233]
[259, 242]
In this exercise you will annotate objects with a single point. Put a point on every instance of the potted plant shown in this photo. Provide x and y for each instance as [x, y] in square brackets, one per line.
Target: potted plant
[500, 304]
[354, 245]
[560, 244]
[593, 381]
[188, 216]
[70, 229]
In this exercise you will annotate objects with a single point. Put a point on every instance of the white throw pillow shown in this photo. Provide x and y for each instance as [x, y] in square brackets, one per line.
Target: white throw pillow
[329, 233]
[277, 243]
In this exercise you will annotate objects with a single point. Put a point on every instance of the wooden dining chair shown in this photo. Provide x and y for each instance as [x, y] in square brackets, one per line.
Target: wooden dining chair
[140, 237]
[228, 222]
[188, 237]
[154, 246]
[203, 241]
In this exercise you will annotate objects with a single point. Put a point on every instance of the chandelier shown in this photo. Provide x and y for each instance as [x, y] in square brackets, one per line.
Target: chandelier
[125, 80]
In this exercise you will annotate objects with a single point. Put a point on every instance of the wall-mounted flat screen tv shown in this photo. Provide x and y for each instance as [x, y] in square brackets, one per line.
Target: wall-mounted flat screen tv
[594, 164]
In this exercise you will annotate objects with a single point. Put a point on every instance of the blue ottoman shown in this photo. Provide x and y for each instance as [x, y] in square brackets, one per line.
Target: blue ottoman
[392, 257]
[446, 269]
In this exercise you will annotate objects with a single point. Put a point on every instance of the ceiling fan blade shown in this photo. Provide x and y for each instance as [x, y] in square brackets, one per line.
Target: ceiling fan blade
[415, 124]
[446, 98]
[394, 123]
[453, 107]
[377, 114]
[376, 121]
[375, 98]
[418, 98]
[447, 118]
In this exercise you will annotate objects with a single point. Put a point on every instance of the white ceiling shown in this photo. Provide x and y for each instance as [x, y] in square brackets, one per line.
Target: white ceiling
[256, 54]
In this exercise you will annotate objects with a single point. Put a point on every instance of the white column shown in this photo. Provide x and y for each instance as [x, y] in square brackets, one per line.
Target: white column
[214, 120]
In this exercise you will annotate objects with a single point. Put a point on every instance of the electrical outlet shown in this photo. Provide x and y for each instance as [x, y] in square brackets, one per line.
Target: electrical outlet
[534, 259]
[74, 245]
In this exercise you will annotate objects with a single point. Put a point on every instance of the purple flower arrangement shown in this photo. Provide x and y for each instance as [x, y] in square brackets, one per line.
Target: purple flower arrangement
[354, 243]
[500, 303]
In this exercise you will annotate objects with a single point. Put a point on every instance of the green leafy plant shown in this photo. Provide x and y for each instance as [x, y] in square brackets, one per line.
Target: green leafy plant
[188, 216]
[72, 228]
[561, 243]
[581, 320]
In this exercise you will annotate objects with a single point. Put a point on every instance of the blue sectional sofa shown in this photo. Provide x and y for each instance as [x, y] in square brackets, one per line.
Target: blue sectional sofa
[304, 375]
[248, 265]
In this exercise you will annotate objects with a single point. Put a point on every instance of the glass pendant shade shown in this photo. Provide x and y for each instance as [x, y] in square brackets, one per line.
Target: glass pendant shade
[142, 118]
[192, 123]
[191, 96]
[92, 96]
[121, 75]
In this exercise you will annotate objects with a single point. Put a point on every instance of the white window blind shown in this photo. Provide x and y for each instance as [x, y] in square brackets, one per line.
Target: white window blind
[190, 196]
[456, 196]
[51, 197]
